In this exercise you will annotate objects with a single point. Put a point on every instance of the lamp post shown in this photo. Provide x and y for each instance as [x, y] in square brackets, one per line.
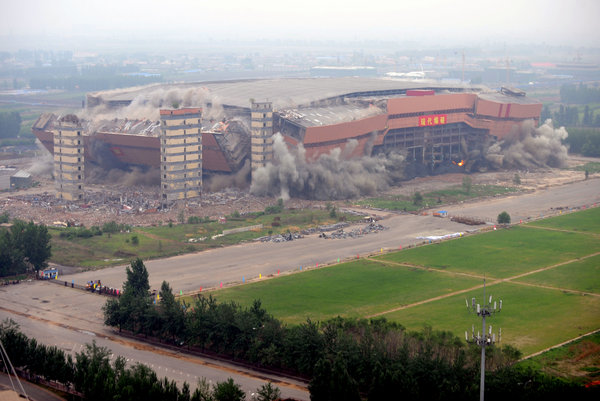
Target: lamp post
[485, 339]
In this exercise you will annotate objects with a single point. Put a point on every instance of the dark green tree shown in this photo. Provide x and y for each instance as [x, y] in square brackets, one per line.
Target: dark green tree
[170, 313]
[133, 310]
[467, 183]
[11, 256]
[304, 347]
[137, 279]
[36, 245]
[268, 392]
[504, 218]
[203, 391]
[417, 199]
[94, 376]
[228, 391]
[332, 382]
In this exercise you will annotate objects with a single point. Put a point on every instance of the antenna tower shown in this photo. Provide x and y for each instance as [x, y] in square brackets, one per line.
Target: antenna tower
[485, 339]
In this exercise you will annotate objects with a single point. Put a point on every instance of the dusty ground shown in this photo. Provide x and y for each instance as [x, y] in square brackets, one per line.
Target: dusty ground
[138, 205]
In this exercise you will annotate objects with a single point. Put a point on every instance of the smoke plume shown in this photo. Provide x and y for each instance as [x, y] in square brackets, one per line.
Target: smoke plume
[528, 147]
[331, 176]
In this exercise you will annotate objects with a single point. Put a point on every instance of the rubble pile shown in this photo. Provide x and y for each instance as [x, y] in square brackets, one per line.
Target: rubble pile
[471, 221]
[280, 237]
[135, 206]
[356, 233]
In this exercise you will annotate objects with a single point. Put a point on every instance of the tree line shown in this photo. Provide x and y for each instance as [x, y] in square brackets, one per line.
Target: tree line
[568, 116]
[92, 374]
[585, 141]
[23, 246]
[345, 359]
[579, 94]
[10, 124]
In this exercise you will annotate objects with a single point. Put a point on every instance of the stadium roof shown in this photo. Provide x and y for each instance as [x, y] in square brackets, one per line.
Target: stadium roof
[285, 92]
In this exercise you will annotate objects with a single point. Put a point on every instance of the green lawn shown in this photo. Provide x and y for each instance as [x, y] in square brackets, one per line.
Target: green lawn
[586, 221]
[531, 319]
[501, 253]
[108, 250]
[354, 289]
[441, 197]
[579, 276]
[591, 167]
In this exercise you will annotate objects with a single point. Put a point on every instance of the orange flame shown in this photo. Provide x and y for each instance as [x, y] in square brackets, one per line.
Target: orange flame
[462, 163]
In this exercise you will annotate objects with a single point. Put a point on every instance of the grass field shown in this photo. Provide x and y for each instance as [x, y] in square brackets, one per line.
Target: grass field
[591, 167]
[430, 199]
[501, 253]
[578, 276]
[355, 289]
[541, 309]
[532, 318]
[585, 221]
[108, 250]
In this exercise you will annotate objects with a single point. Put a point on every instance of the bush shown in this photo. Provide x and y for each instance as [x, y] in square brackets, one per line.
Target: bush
[333, 213]
[467, 183]
[193, 220]
[417, 199]
[135, 240]
[504, 218]
[273, 209]
[110, 227]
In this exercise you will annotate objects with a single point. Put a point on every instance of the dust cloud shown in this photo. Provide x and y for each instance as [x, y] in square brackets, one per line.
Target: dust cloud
[43, 165]
[129, 176]
[220, 182]
[148, 104]
[529, 147]
[331, 176]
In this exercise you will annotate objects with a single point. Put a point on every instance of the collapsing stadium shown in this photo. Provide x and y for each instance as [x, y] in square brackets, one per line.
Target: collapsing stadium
[435, 127]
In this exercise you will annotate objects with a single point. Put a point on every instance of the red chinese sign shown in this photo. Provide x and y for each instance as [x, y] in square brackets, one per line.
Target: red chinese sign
[434, 119]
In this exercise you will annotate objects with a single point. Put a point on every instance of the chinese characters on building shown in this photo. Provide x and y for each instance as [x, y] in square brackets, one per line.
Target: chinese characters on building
[434, 119]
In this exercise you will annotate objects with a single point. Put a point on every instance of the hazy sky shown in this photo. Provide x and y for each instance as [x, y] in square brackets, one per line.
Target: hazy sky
[447, 22]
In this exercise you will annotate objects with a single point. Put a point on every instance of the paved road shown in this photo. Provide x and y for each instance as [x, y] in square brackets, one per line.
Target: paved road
[69, 318]
[35, 393]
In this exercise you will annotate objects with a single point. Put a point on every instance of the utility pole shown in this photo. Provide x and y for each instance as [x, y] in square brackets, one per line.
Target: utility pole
[483, 340]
